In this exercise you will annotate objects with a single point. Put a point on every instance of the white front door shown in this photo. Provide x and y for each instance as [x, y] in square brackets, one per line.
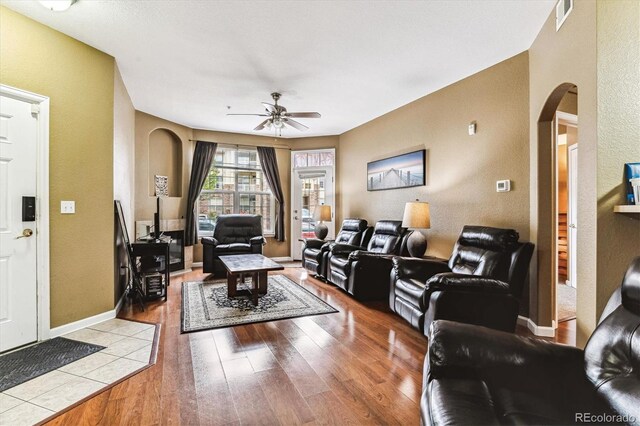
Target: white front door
[312, 187]
[572, 215]
[18, 287]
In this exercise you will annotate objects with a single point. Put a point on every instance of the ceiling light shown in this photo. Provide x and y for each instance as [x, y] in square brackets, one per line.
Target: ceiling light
[278, 123]
[57, 5]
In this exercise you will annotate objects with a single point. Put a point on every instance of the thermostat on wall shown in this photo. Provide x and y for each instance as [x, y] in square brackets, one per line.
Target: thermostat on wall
[503, 186]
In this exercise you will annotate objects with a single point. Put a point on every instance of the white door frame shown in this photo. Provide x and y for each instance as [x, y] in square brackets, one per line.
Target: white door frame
[566, 119]
[41, 108]
[571, 191]
[292, 191]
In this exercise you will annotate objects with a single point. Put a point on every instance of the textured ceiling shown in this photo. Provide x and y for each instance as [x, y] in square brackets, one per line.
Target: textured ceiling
[352, 61]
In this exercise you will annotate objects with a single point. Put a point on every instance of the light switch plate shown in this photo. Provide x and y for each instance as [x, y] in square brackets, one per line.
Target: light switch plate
[472, 128]
[67, 207]
[503, 186]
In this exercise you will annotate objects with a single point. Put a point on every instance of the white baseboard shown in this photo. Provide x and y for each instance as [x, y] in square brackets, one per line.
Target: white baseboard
[282, 259]
[196, 265]
[523, 321]
[87, 322]
[542, 331]
[119, 304]
[83, 323]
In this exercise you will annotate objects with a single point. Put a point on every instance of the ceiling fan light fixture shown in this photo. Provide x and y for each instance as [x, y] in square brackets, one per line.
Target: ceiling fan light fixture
[57, 5]
[278, 123]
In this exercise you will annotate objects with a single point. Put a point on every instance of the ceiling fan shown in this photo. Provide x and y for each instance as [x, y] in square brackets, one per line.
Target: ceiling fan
[278, 116]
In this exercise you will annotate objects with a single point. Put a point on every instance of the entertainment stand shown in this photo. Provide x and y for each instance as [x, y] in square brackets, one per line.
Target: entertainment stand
[152, 260]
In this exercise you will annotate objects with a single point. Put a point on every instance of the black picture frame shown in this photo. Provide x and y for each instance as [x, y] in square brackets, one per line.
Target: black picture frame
[400, 171]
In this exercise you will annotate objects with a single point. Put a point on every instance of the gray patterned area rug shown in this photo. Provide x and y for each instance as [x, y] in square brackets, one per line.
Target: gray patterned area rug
[205, 305]
[25, 364]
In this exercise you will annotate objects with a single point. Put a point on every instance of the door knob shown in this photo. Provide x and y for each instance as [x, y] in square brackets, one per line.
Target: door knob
[26, 233]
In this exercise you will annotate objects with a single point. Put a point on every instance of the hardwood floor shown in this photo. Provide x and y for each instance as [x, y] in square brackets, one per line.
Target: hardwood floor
[362, 365]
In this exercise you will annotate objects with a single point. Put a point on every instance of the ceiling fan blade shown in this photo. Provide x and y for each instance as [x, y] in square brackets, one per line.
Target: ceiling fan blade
[261, 125]
[257, 115]
[303, 114]
[269, 107]
[294, 124]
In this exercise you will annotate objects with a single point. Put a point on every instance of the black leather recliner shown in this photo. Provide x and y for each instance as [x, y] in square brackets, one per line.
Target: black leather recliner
[315, 251]
[233, 234]
[481, 284]
[475, 375]
[364, 272]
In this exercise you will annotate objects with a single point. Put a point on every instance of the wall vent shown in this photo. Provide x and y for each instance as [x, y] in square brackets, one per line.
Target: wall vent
[563, 9]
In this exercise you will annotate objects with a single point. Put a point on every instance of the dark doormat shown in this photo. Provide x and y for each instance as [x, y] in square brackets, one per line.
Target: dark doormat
[19, 366]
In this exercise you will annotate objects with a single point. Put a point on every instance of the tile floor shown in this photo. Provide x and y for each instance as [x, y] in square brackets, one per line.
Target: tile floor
[128, 348]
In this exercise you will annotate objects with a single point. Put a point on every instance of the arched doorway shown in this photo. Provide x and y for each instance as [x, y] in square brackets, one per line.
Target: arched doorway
[548, 212]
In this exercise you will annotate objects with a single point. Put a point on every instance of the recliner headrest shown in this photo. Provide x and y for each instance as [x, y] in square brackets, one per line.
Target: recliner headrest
[388, 227]
[354, 225]
[489, 238]
[239, 219]
[631, 287]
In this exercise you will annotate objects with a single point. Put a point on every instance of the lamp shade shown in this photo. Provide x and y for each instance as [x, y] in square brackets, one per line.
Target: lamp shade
[416, 215]
[325, 213]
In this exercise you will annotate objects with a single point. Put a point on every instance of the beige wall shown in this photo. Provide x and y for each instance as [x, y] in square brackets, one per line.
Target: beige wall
[172, 207]
[462, 170]
[598, 50]
[124, 117]
[566, 56]
[165, 159]
[79, 80]
[618, 92]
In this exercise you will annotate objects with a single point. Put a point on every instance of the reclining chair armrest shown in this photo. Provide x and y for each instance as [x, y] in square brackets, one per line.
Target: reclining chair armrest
[361, 255]
[209, 241]
[258, 240]
[420, 269]
[458, 345]
[344, 248]
[313, 243]
[463, 282]
[369, 277]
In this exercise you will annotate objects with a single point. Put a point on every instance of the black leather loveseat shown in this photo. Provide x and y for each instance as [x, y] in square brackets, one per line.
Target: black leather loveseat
[233, 234]
[364, 271]
[475, 375]
[315, 252]
[481, 284]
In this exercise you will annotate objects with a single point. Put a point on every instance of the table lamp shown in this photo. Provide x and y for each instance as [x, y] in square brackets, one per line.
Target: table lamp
[416, 216]
[324, 215]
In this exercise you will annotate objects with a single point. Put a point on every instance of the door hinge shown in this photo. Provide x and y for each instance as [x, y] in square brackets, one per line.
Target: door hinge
[35, 109]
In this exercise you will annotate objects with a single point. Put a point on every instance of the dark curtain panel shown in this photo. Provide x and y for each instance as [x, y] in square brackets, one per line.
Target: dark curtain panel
[269, 165]
[202, 158]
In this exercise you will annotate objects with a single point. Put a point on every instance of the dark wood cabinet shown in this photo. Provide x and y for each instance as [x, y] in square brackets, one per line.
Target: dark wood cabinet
[152, 263]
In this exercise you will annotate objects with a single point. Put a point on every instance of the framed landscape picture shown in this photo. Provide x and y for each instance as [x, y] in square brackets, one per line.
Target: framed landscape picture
[401, 171]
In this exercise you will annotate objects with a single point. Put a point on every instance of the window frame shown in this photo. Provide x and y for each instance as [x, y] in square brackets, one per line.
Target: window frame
[237, 193]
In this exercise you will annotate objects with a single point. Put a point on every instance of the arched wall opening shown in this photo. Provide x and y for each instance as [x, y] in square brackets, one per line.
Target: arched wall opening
[546, 235]
[165, 159]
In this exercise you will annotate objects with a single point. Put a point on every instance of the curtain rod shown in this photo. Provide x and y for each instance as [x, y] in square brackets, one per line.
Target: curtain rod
[237, 145]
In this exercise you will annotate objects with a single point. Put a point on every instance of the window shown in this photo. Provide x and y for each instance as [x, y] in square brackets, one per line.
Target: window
[235, 184]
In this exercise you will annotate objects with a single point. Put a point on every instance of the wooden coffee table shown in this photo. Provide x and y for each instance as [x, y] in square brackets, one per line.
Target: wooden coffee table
[244, 264]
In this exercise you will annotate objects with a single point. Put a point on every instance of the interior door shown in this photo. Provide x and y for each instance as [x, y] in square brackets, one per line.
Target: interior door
[572, 215]
[18, 288]
[312, 187]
